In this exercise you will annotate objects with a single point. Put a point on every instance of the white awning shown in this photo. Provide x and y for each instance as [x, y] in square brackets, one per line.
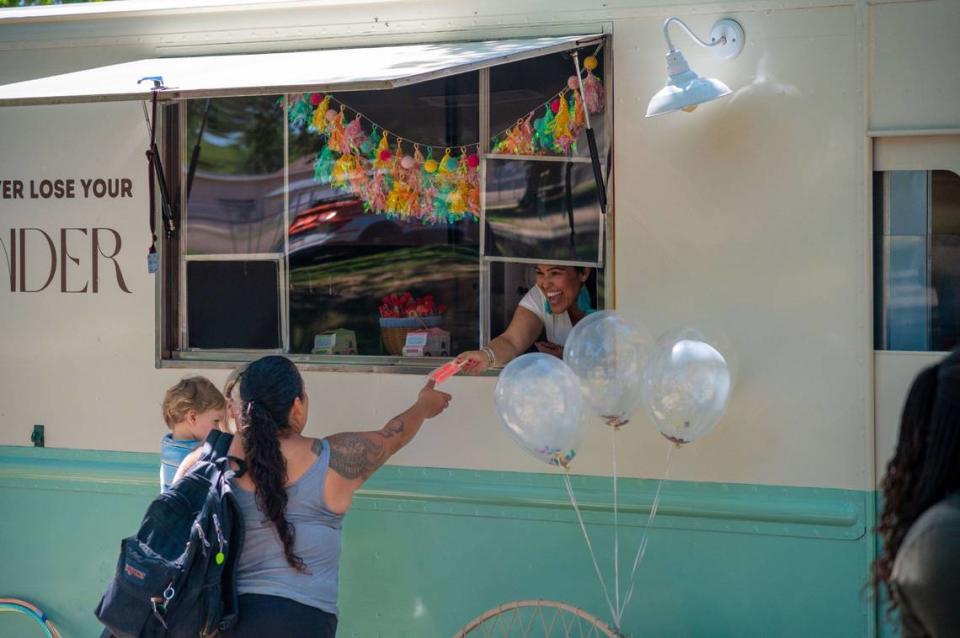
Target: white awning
[275, 73]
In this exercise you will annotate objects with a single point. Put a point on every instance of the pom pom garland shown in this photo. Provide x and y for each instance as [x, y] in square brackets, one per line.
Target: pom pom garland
[562, 119]
[416, 186]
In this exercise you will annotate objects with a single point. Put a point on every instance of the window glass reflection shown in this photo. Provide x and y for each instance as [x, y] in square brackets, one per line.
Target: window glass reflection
[235, 199]
[344, 260]
[542, 210]
[917, 235]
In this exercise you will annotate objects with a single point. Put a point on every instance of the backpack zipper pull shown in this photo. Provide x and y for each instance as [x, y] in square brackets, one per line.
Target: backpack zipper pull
[168, 595]
[204, 545]
[219, 558]
[157, 614]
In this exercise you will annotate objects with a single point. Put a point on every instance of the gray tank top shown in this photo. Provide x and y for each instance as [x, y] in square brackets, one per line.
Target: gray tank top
[263, 568]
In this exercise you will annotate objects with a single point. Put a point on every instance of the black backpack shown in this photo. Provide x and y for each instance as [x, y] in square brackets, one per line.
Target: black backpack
[177, 577]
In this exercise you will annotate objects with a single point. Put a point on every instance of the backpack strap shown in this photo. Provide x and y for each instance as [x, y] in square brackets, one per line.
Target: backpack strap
[241, 466]
[217, 445]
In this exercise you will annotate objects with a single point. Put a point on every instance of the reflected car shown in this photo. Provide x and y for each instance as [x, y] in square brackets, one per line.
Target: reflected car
[332, 218]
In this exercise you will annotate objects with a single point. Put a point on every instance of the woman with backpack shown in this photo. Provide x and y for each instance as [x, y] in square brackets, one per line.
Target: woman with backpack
[293, 497]
[919, 566]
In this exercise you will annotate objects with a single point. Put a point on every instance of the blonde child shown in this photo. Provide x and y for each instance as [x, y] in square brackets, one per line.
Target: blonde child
[191, 409]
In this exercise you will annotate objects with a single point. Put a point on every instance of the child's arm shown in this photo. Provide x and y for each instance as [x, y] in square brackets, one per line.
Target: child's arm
[236, 450]
[188, 462]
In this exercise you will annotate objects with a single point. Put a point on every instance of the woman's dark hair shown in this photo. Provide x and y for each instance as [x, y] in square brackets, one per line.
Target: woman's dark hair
[926, 465]
[268, 388]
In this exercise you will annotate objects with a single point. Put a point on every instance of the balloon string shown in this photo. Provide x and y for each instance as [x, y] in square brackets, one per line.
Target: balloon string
[586, 537]
[642, 550]
[616, 522]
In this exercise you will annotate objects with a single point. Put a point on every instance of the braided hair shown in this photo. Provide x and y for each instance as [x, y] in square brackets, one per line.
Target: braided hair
[268, 388]
[926, 465]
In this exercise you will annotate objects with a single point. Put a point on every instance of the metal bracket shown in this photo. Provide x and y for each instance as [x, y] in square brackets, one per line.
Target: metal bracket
[156, 79]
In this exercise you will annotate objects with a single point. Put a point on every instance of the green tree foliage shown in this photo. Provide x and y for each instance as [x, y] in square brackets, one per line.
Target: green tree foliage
[242, 136]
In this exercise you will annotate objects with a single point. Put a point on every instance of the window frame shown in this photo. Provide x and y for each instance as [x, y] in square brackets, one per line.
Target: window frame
[171, 316]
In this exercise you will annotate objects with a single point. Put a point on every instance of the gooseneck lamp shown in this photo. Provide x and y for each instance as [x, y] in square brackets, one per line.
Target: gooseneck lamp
[685, 89]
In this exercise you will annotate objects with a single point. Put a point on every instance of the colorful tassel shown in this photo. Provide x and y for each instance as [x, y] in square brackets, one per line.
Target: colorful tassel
[353, 135]
[323, 166]
[444, 172]
[319, 115]
[593, 93]
[371, 143]
[563, 137]
[459, 196]
[579, 117]
[426, 203]
[376, 200]
[382, 154]
[359, 178]
[336, 134]
[301, 112]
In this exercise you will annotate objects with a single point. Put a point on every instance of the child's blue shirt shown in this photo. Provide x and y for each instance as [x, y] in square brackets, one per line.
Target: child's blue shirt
[172, 453]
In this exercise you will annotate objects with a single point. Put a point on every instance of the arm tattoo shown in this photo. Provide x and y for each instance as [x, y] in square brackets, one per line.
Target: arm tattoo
[393, 428]
[355, 455]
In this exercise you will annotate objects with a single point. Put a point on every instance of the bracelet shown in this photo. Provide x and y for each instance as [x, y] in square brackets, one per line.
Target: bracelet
[491, 356]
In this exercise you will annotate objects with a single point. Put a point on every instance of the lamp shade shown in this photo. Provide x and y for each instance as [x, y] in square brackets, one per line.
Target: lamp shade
[685, 89]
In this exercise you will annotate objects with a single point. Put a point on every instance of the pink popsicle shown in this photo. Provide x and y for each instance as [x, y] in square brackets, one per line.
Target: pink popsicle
[445, 371]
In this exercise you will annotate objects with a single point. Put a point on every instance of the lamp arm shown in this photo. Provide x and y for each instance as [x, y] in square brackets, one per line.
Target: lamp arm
[666, 34]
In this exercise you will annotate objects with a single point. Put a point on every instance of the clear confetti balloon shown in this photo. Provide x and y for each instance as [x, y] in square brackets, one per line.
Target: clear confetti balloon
[716, 337]
[686, 388]
[540, 404]
[608, 353]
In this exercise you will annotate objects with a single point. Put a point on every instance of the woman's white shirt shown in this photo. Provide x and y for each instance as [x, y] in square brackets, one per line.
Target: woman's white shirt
[558, 327]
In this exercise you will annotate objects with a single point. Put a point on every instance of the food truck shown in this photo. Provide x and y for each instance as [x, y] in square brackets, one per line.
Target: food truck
[187, 187]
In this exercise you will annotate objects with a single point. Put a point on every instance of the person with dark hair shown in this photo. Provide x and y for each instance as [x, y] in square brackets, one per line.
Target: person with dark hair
[554, 306]
[919, 566]
[294, 495]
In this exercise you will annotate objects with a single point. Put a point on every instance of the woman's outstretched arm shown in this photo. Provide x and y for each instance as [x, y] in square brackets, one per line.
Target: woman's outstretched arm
[355, 456]
[515, 340]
